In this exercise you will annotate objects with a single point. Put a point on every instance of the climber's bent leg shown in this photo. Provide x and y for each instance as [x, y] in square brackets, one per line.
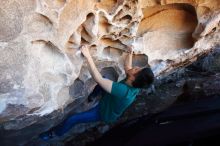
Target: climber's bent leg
[91, 115]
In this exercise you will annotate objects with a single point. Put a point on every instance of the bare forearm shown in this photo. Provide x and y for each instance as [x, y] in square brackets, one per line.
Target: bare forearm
[128, 61]
[106, 84]
[93, 69]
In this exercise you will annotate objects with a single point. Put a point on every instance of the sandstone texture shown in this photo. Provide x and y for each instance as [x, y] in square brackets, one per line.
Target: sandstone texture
[43, 76]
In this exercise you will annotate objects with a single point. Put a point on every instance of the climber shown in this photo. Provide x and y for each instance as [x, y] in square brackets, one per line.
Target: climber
[116, 98]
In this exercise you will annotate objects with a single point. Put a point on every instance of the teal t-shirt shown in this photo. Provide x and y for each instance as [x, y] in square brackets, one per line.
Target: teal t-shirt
[113, 105]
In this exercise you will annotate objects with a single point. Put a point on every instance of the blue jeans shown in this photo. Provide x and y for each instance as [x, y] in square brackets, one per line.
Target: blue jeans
[91, 115]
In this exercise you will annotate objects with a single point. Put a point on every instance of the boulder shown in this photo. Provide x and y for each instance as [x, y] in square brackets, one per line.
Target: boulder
[43, 76]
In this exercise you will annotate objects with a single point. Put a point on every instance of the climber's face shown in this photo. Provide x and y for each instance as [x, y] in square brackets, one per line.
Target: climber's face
[132, 72]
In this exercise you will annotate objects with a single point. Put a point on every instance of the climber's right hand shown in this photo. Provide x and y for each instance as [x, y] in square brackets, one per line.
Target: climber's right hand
[85, 51]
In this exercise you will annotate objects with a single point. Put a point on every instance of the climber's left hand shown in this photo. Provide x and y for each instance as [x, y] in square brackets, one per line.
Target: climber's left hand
[130, 49]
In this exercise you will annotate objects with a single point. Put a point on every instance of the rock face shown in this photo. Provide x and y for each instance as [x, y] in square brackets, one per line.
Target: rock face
[42, 73]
